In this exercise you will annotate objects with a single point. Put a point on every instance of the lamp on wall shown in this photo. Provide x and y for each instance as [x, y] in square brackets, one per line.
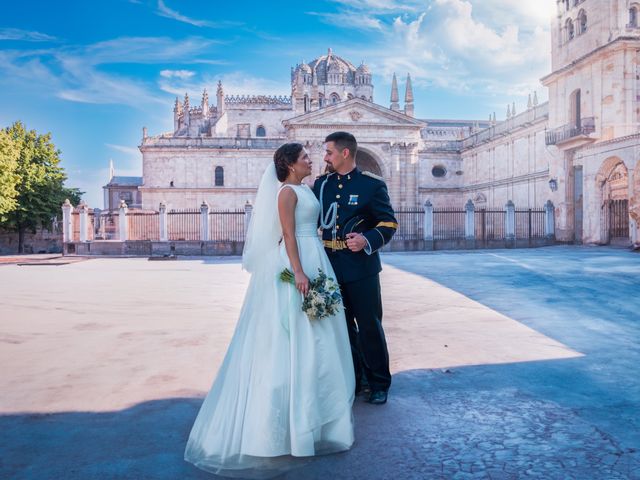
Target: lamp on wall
[553, 184]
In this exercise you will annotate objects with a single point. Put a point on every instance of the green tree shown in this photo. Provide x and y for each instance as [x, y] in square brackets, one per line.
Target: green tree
[8, 178]
[40, 187]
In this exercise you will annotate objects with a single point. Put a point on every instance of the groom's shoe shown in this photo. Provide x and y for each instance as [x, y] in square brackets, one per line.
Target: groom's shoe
[378, 397]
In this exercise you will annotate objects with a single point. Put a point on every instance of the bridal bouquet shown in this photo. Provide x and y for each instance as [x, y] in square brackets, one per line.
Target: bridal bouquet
[323, 299]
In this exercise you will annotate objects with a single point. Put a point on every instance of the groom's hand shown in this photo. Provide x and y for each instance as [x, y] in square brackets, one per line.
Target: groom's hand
[356, 242]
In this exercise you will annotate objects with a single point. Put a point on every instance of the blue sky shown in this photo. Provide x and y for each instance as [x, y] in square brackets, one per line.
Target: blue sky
[93, 73]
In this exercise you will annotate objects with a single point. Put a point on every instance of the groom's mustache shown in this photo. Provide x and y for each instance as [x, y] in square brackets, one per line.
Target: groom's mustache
[329, 168]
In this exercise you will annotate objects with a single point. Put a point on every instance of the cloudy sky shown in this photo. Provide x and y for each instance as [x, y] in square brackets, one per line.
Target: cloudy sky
[95, 72]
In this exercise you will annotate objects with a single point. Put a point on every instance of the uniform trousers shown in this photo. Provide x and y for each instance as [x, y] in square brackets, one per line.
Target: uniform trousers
[363, 310]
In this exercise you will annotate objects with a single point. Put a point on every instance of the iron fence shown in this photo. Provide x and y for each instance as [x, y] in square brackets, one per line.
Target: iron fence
[489, 224]
[226, 225]
[529, 223]
[143, 225]
[448, 223]
[410, 224]
[183, 225]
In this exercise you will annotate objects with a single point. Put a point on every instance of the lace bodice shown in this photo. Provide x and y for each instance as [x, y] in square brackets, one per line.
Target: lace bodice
[307, 211]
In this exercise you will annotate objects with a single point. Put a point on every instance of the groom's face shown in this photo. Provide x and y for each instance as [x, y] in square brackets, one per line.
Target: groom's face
[334, 157]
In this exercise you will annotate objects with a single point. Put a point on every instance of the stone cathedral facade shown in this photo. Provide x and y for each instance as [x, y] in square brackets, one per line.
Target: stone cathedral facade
[580, 149]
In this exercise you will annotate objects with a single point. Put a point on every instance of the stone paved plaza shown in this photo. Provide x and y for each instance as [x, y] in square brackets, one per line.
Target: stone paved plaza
[507, 364]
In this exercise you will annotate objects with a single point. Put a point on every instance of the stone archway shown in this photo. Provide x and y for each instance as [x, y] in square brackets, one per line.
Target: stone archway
[612, 184]
[367, 163]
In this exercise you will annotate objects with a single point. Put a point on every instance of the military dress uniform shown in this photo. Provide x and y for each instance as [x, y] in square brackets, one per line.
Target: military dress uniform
[363, 206]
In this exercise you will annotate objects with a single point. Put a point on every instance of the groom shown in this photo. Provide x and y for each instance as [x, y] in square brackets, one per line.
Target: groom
[357, 220]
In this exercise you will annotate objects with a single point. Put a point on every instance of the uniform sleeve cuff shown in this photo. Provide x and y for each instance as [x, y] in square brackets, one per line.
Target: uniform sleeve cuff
[367, 248]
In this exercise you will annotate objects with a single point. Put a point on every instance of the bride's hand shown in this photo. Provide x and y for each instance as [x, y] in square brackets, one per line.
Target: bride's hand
[302, 283]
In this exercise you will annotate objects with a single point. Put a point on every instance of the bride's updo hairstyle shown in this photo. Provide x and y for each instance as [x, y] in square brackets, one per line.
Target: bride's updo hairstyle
[284, 157]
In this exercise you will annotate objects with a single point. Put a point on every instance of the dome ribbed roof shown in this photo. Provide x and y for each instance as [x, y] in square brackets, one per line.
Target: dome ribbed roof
[364, 69]
[331, 63]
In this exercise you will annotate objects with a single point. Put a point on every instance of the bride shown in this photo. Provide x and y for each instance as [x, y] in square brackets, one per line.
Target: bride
[286, 386]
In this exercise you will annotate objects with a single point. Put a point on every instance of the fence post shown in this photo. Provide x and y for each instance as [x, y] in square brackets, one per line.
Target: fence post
[204, 221]
[67, 221]
[164, 234]
[510, 223]
[549, 220]
[469, 223]
[84, 216]
[248, 209]
[122, 219]
[428, 220]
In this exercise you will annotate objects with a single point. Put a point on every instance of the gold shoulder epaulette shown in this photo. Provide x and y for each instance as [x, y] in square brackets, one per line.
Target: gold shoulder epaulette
[372, 175]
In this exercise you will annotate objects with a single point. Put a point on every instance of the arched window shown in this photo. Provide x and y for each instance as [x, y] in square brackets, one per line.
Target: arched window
[219, 180]
[570, 30]
[349, 96]
[633, 17]
[566, 5]
[306, 103]
[321, 100]
[582, 22]
[334, 98]
[260, 131]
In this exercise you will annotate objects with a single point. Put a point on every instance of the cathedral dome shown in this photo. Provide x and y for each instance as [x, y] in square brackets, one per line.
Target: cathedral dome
[304, 68]
[363, 69]
[331, 63]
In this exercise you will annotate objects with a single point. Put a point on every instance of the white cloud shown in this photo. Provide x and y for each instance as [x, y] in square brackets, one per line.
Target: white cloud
[130, 151]
[25, 35]
[167, 12]
[488, 47]
[74, 73]
[234, 83]
[354, 20]
[183, 74]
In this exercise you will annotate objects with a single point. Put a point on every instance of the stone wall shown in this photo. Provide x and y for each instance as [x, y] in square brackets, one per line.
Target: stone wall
[43, 241]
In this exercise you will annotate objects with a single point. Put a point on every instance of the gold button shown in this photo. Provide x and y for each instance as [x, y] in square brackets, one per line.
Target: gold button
[337, 227]
[340, 185]
[337, 216]
[337, 196]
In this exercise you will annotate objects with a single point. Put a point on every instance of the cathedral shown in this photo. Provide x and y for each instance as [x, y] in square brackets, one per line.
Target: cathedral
[579, 150]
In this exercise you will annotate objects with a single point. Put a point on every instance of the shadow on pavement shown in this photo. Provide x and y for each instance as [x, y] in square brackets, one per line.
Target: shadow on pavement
[471, 422]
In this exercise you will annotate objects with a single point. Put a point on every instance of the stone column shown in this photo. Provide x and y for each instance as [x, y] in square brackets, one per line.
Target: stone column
[204, 222]
[67, 221]
[248, 210]
[164, 233]
[469, 220]
[123, 221]
[549, 220]
[84, 217]
[428, 221]
[510, 223]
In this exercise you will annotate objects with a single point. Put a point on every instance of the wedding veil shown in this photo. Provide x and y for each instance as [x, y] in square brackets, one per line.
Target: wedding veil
[264, 230]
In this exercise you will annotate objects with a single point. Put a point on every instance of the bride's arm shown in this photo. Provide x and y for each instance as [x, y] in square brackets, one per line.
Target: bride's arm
[286, 209]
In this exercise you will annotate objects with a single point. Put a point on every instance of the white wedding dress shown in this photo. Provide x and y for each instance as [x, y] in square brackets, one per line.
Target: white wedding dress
[286, 386]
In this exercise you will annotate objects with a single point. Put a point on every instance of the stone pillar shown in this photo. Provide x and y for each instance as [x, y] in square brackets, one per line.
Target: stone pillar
[248, 210]
[510, 224]
[469, 220]
[67, 221]
[549, 220]
[428, 221]
[164, 233]
[123, 221]
[84, 217]
[204, 221]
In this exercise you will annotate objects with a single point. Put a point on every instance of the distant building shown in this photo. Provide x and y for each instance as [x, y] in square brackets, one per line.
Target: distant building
[580, 150]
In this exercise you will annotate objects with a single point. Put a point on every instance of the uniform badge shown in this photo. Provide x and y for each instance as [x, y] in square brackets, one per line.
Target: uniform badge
[353, 199]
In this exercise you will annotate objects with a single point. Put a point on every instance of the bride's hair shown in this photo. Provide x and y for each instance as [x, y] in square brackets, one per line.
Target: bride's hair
[284, 157]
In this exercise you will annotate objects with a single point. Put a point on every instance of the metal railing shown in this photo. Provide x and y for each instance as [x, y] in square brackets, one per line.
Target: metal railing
[227, 225]
[144, 225]
[410, 224]
[184, 224]
[529, 223]
[448, 223]
[569, 131]
[489, 224]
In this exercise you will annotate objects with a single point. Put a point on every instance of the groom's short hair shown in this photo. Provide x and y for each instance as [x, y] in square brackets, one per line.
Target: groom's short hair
[344, 140]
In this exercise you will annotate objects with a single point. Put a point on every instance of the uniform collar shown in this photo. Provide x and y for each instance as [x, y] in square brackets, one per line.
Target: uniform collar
[348, 176]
